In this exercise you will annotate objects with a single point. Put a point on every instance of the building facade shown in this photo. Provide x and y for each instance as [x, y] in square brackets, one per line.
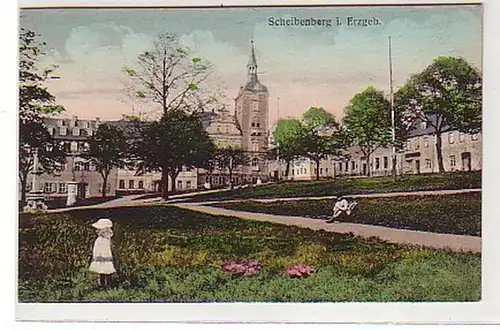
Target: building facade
[72, 134]
[252, 113]
[460, 152]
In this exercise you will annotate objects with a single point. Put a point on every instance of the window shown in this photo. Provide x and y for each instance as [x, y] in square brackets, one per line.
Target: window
[453, 161]
[417, 143]
[62, 188]
[74, 146]
[255, 162]
[426, 142]
[353, 165]
[179, 183]
[86, 166]
[461, 137]
[76, 131]
[340, 167]
[428, 163]
[131, 184]
[305, 171]
[255, 106]
[257, 124]
[188, 184]
[321, 171]
[423, 125]
[253, 124]
[50, 187]
[326, 171]
[90, 132]
[386, 162]
[451, 138]
[293, 172]
[122, 184]
[62, 130]
[377, 163]
[141, 184]
[218, 128]
[77, 166]
[408, 145]
[474, 137]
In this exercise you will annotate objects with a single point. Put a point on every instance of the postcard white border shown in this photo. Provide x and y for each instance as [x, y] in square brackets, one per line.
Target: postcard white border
[486, 311]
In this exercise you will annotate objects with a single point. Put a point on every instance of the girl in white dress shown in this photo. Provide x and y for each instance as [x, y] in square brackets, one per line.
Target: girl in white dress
[102, 259]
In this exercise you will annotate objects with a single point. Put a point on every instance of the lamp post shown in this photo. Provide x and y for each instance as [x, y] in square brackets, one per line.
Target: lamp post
[35, 171]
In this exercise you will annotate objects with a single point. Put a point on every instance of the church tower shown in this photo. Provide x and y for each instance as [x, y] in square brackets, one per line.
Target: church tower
[252, 113]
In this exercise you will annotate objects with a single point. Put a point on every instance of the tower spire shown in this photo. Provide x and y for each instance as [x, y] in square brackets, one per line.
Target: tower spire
[252, 63]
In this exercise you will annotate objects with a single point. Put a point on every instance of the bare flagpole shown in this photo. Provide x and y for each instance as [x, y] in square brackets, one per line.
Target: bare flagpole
[393, 128]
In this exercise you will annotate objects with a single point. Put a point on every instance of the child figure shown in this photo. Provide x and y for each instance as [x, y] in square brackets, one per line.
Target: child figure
[341, 206]
[102, 259]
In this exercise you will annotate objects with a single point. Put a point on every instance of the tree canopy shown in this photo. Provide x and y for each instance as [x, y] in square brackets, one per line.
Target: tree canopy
[368, 121]
[447, 95]
[35, 102]
[107, 150]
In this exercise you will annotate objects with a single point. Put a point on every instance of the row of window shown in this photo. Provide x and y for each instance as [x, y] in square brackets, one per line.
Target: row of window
[76, 123]
[451, 140]
[131, 184]
[75, 131]
[303, 170]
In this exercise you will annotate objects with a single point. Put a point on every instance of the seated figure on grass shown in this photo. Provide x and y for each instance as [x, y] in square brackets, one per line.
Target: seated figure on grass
[342, 207]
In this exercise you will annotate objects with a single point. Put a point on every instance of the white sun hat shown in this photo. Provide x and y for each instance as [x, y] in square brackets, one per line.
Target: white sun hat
[102, 223]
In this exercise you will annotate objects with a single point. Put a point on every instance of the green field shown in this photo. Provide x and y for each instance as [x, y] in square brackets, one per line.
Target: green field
[166, 254]
[350, 186]
[448, 214]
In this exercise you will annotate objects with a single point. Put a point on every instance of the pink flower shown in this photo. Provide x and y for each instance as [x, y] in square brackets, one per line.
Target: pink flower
[299, 270]
[242, 268]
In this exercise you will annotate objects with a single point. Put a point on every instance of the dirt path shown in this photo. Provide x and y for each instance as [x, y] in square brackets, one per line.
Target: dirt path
[457, 243]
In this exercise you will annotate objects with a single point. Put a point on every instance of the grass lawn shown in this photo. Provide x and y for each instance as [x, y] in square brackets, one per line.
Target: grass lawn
[166, 254]
[450, 214]
[344, 186]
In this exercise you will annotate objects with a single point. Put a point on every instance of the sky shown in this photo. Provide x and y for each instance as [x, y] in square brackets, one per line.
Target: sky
[301, 66]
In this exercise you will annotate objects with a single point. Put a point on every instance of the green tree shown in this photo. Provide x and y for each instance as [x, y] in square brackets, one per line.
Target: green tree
[35, 102]
[172, 78]
[323, 136]
[447, 95]
[107, 150]
[174, 143]
[318, 117]
[368, 122]
[289, 137]
[230, 158]
[36, 145]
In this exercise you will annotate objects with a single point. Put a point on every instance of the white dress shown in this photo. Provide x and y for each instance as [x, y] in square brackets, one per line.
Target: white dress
[102, 259]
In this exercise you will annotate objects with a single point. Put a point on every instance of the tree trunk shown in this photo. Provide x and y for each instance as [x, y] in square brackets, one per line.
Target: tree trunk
[287, 170]
[368, 165]
[439, 152]
[173, 177]
[317, 169]
[164, 182]
[104, 185]
[23, 178]
[230, 179]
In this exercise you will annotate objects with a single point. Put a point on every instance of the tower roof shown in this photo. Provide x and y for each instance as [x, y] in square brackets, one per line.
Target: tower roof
[252, 61]
[253, 83]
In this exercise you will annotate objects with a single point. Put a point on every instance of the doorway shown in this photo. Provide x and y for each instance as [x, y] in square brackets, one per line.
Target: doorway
[82, 190]
[364, 169]
[466, 161]
[417, 165]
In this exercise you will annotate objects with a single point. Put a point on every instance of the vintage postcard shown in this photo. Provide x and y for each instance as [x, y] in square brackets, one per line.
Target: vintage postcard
[315, 155]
